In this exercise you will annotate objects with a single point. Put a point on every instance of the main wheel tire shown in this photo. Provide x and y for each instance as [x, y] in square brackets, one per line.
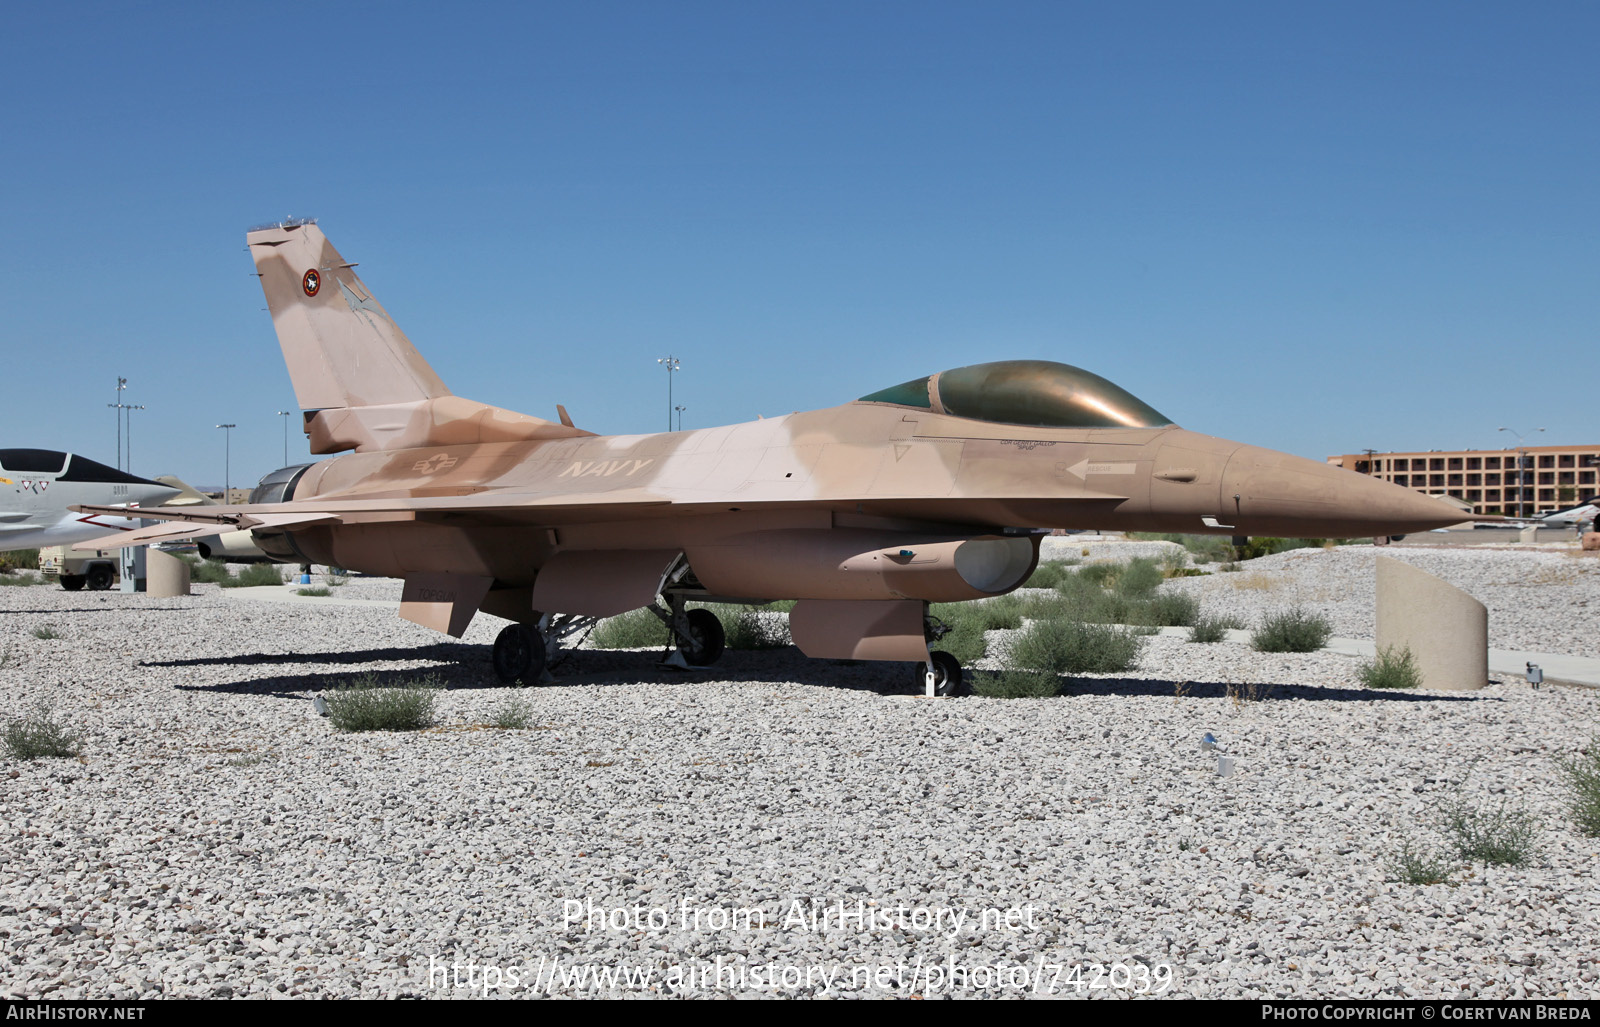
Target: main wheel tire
[518, 654]
[706, 639]
[947, 676]
[100, 577]
[72, 582]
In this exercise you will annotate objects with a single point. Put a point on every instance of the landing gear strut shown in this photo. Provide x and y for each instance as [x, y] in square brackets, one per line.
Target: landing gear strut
[697, 634]
[526, 653]
[941, 675]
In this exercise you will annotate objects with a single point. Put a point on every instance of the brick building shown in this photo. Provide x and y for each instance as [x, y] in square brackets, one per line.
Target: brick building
[1522, 481]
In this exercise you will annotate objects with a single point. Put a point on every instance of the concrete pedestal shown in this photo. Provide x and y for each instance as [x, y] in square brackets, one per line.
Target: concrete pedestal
[1446, 629]
[165, 574]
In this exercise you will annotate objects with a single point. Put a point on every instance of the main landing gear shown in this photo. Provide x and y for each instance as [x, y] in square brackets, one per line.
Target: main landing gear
[698, 638]
[526, 652]
[941, 676]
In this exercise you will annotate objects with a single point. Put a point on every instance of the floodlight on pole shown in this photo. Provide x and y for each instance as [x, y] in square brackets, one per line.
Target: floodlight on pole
[671, 363]
[227, 455]
[680, 409]
[1522, 471]
[129, 416]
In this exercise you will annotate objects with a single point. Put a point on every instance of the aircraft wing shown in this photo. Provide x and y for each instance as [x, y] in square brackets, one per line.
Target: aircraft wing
[196, 522]
[488, 506]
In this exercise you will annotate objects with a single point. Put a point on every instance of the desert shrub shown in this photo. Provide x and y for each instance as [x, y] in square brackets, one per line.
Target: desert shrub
[1049, 573]
[368, 705]
[1414, 863]
[46, 632]
[1503, 836]
[969, 621]
[253, 575]
[1582, 775]
[1295, 630]
[1167, 609]
[1101, 574]
[1138, 578]
[513, 716]
[19, 578]
[1391, 670]
[315, 590]
[1016, 684]
[1250, 691]
[1073, 647]
[638, 629]
[745, 627]
[1174, 563]
[208, 572]
[37, 736]
[15, 560]
[1212, 629]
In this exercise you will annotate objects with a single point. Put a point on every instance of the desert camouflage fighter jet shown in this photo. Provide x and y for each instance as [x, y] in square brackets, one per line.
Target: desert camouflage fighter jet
[934, 490]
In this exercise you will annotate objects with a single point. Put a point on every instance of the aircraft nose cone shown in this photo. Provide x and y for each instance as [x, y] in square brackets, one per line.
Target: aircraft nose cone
[1271, 493]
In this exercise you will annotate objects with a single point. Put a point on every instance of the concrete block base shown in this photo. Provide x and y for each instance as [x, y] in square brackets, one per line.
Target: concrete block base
[1446, 629]
[165, 574]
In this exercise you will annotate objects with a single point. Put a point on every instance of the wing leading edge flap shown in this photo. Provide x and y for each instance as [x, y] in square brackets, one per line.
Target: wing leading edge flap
[183, 530]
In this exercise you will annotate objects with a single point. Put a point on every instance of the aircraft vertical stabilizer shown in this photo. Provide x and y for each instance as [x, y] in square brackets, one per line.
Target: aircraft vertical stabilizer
[359, 379]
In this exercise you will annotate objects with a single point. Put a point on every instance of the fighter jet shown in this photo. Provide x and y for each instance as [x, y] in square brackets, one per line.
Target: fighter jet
[38, 485]
[934, 490]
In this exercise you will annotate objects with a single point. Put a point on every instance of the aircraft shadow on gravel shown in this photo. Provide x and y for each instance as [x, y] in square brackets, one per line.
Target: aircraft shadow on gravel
[459, 668]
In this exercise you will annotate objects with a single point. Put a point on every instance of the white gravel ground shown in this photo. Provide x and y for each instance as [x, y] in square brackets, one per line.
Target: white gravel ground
[217, 837]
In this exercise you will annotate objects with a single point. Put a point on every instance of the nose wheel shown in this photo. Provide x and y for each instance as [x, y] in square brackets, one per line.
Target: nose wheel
[941, 675]
[519, 654]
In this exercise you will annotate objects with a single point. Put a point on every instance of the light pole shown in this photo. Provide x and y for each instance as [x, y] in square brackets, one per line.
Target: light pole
[129, 416]
[122, 383]
[672, 365]
[227, 455]
[1522, 472]
[680, 410]
[285, 415]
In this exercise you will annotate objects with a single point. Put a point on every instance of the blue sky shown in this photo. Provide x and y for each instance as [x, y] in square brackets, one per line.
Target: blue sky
[1315, 228]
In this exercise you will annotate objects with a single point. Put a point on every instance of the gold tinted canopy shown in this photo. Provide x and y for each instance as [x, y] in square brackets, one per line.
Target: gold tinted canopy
[1039, 393]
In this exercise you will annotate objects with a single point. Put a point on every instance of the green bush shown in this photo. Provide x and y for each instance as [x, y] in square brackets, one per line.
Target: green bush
[1138, 578]
[1050, 573]
[208, 572]
[19, 579]
[367, 705]
[638, 629]
[315, 590]
[513, 716]
[1167, 610]
[1016, 684]
[1073, 647]
[1295, 630]
[253, 575]
[1503, 836]
[968, 622]
[1582, 775]
[1414, 863]
[1212, 629]
[38, 735]
[1391, 670]
[15, 560]
[744, 627]
[46, 632]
